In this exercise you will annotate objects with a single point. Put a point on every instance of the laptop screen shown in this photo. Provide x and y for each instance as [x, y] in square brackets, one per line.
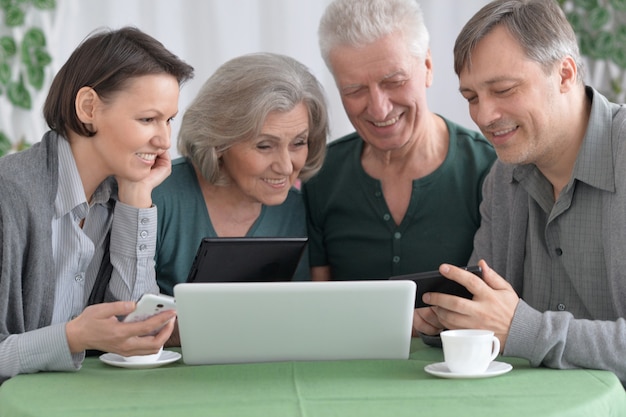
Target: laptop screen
[247, 259]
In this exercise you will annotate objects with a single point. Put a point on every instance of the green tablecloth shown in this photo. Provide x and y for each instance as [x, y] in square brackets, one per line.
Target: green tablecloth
[393, 388]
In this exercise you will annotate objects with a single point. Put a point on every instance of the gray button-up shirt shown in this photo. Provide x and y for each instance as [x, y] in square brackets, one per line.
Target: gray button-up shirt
[566, 258]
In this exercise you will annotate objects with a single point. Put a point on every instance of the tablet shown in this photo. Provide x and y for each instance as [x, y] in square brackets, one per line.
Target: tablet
[433, 281]
[246, 259]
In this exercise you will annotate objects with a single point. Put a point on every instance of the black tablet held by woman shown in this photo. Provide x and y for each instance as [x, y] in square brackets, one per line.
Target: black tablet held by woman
[247, 259]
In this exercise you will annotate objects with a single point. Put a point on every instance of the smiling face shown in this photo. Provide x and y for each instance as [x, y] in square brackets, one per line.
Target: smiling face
[133, 127]
[264, 168]
[517, 105]
[383, 90]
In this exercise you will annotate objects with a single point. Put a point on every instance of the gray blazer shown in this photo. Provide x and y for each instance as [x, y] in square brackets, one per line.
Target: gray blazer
[28, 180]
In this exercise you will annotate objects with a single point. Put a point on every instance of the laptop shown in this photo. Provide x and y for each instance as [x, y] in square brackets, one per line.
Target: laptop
[294, 321]
[247, 259]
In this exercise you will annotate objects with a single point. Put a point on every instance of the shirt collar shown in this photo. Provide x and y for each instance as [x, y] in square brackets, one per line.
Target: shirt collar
[594, 163]
[70, 192]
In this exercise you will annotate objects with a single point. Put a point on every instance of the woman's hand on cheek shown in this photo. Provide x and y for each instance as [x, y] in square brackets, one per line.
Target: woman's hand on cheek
[139, 193]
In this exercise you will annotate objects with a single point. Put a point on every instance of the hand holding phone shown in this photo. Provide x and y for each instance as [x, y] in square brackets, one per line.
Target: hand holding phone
[433, 281]
[149, 305]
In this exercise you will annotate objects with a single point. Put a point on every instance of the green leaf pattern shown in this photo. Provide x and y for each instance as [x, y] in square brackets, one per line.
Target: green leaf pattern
[8, 47]
[5, 73]
[618, 5]
[22, 62]
[19, 79]
[600, 27]
[5, 144]
[13, 16]
[18, 94]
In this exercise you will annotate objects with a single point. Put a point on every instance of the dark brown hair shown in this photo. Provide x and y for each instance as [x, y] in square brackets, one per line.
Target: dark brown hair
[105, 61]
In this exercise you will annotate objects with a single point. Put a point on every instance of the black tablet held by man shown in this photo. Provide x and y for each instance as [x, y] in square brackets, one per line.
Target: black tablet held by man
[433, 281]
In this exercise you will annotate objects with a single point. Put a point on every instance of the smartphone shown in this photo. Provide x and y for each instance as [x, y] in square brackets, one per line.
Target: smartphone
[149, 305]
[433, 281]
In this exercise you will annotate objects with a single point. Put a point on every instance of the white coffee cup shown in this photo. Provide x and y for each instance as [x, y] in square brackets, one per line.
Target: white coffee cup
[469, 351]
[144, 358]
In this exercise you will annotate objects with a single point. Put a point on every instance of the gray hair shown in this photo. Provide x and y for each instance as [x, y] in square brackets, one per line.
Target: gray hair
[540, 26]
[234, 102]
[360, 22]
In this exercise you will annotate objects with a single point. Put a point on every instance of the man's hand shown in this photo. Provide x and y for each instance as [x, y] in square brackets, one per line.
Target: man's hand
[425, 321]
[492, 307]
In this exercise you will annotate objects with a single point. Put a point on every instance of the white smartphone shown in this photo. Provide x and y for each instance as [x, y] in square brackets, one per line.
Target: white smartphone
[149, 305]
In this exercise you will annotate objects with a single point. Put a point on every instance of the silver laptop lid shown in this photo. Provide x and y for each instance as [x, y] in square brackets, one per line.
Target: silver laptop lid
[283, 321]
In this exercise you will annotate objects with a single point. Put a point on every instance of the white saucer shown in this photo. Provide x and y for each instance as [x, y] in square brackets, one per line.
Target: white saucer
[167, 356]
[441, 369]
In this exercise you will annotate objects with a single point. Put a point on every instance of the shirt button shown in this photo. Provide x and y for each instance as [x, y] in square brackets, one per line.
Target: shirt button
[143, 247]
[561, 307]
[144, 234]
[378, 194]
[145, 220]
[559, 251]
[396, 259]
[397, 235]
[78, 278]
[386, 217]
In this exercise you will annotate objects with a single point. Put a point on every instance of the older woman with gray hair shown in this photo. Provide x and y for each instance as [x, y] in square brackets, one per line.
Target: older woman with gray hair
[257, 126]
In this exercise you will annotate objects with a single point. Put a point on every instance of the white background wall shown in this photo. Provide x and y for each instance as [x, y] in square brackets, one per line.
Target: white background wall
[206, 33]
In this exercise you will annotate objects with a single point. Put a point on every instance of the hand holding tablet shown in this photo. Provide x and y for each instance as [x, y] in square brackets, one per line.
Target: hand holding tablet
[433, 281]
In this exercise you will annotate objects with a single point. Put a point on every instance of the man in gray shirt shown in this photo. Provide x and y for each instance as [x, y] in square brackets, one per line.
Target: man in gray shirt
[554, 204]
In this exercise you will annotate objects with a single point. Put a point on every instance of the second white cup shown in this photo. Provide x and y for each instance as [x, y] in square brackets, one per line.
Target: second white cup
[469, 351]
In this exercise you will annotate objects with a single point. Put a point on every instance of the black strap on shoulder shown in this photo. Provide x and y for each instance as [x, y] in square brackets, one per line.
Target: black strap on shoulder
[98, 291]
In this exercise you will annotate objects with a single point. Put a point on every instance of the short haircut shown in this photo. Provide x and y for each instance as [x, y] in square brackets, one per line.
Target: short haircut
[234, 102]
[106, 61]
[360, 22]
[540, 27]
